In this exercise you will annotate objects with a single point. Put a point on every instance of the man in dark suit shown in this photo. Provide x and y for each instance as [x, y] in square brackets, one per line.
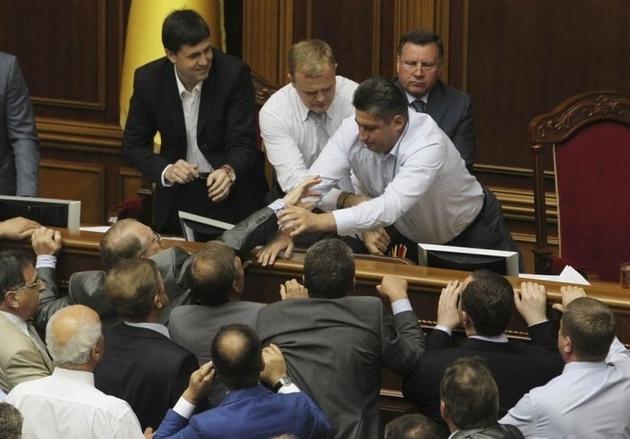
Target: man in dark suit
[201, 101]
[19, 145]
[335, 344]
[486, 302]
[141, 364]
[419, 69]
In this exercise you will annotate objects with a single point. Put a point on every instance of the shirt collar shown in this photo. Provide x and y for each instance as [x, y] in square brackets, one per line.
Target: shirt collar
[82, 376]
[501, 338]
[157, 327]
[411, 98]
[180, 85]
[16, 320]
[585, 365]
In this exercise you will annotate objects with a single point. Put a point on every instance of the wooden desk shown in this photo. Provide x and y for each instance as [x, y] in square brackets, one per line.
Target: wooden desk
[81, 252]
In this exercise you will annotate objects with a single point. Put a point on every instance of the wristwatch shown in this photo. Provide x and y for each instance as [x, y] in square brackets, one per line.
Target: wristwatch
[284, 381]
[230, 172]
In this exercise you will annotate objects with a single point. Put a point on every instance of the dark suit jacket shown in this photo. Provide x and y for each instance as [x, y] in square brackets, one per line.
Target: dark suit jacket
[144, 368]
[19, 146]
[226, 130]
[517, 367]
[334, 350]
[451, 109]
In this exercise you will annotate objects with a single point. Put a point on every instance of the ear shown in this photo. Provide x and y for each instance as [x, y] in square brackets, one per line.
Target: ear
[172, 56]
[290, 77]
[97, 351]
[11, 300]
[568, 346]
[443, 410]
[158, 303]
[399, 121]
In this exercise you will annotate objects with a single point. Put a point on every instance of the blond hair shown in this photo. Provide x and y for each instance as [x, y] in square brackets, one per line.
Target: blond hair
[310, 57]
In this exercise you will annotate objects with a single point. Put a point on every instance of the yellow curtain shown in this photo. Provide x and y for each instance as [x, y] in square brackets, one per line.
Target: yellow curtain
[144, 36]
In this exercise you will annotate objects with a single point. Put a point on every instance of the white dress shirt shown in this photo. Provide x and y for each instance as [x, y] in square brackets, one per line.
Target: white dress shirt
[66, 405]
[291, 136]
[591, 399]
[421, 186]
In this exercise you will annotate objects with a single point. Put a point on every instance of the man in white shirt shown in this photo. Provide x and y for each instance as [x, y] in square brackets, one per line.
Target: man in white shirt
[592, 396]
[66, 404]
[411, 176]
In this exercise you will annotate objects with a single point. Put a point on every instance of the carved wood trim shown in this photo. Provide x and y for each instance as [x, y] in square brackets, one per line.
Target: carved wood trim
[578, 111]
[73, 134]
[101, 71]
[376, 37]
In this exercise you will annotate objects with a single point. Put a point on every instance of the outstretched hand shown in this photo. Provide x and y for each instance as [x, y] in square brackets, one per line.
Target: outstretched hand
[17, 228]
[531, 302]
[448, 313]
[303, 190]
[269, 253]
[569, 294]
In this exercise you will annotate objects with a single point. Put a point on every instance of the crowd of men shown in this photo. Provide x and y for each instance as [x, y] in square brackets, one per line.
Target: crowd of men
[159, 344]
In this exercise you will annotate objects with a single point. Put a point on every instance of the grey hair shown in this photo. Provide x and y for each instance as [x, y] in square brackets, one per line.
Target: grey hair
[76, 351]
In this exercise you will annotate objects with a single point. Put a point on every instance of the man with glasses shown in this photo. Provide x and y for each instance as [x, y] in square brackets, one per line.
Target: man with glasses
[419, 69]
[23, 355]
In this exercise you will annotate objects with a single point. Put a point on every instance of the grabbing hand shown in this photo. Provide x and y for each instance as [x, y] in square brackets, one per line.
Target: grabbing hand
[569, 294]
[296, 220]
[17, 228]
[292, 289]
[376, 241]
[302, 190]
[199, 383]
[392, 288]
[531, 303]
[274, 365]
[268, 254]
[181, 172]
[448, 313]
[46, 241]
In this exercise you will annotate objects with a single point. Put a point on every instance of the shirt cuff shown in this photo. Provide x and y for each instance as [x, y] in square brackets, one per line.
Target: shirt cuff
[183, 408]
[277, 205]
[46, 261]
[443, 329]
[344, 219]
[289, 388]
[401, 305]
[163, 179]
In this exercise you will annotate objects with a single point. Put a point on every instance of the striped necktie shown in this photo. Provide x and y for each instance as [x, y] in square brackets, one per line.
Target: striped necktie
[418, 105]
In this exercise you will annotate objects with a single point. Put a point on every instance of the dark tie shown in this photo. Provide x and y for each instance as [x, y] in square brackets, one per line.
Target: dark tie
[345, 184]
[38, 341]
[418, 105]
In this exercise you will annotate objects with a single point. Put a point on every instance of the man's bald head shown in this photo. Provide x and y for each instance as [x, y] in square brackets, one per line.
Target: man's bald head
[237, 356]
[126, 239]
[72, 334]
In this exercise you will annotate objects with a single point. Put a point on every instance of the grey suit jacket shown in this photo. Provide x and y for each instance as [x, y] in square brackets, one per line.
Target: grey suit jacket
[195, 326]
[19, 153]
[334, 350]
[451, 109]
[20, 358]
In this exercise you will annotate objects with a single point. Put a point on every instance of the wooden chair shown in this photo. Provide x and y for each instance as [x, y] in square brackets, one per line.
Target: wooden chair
[589, 136]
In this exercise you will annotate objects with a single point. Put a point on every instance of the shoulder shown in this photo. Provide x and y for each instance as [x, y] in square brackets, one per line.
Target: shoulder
[6, 59]
[154, 69]
[224, 63]
[280, 101]
[452, 94]
[345, 87]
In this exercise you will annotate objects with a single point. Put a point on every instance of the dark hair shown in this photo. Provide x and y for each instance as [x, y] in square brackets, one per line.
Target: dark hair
[413, 426]
[10, 421]
[591, 327]
[116, 244]
[131, 286]
[469, 393]
[381, 98]
[211, 274]
[183, 27]
[489, 301]
[12, 264]
[237, 356]
[421, 38]
[329, 269]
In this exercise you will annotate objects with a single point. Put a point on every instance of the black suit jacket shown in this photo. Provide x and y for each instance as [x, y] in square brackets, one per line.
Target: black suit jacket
[226, 130]
[144, 368]
[451, 109]
[517, 367]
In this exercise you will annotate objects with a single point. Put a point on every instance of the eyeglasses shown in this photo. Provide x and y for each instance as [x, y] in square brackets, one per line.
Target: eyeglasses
[36, 283]
[412, 66]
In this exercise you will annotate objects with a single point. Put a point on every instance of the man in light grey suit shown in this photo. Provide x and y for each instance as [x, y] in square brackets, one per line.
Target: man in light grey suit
[216, 279]
[19, 146]
[335, 344]
[419, 69]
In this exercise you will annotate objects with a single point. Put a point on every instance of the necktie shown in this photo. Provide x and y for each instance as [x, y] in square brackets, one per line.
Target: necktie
[38, 341]
[418, 105]
[345, 184]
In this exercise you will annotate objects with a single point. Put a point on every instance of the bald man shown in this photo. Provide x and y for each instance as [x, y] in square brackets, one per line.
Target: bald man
[61, 404]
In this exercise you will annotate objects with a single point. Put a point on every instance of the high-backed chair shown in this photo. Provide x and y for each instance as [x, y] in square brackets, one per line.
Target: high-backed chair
[589, 136]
